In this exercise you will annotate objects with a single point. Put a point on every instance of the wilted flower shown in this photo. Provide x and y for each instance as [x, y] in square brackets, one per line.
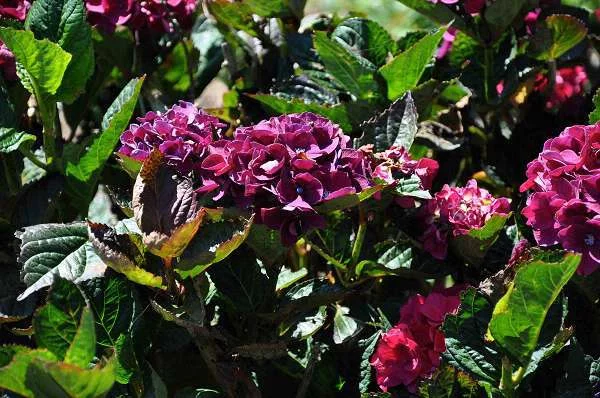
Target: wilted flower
[182, 134]
[107, 14]
[564, 207]
[410, 351]
[16, 9]
[456, 211]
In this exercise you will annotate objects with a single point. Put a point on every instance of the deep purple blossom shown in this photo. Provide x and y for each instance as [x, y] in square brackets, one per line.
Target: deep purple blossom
[456, 211]
[564, 207]
[182, 134]
[162, 15]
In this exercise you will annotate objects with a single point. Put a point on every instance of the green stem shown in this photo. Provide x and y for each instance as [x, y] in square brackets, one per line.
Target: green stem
[12, 186]
[506, 381]
[360, 235]
[48, 116]
[301, 251]
[518, 375]
[31, 156]
[327, 257]
[487, 73]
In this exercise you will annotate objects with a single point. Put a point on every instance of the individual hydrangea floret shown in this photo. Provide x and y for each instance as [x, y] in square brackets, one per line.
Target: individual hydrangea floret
[565, 180]
[182, 134]
[396, 163]
[411, 350]
[455, 211]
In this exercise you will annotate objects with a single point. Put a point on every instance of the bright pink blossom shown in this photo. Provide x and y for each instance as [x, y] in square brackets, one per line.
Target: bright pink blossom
[564, 207]
[570, 83]
[16, 9]
[411, 350]
[108, 14]
[456, 211]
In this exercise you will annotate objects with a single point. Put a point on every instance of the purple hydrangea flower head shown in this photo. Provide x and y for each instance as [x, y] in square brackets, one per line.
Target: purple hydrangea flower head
[455, 211]
[162, 16]
[108, 14]
[183, 134]
[565, 180]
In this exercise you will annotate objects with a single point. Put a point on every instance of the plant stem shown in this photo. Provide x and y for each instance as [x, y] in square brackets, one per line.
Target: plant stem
[506, 381]
[171, 285]
[518, 376]
[360, 235]
[31, 156]
[12, 186]
[487, 72]
[48, 116]
[327, 257]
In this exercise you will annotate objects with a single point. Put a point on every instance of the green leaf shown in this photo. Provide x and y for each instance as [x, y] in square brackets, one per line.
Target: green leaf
[214, 242]
[55, 324]
[43, 62]
[367, 346]
[519, 315]
[11, 139]
[396, 257]
[310, 294]
[51, 250]
[344, 326]
[557, 35]
[165, 207]
[411, 186]
[242, 283]
[7, 109]
[287, 277]
[64, 22]
[404, 72]
[275, 105]
[473, 246]
[466, 348]
[367, 38]
[84, 172]
[14, 370]
[355, 73]
[348, 201]
[450, 382]
[266, 243]
[580, 374]
[83, 347]
[56, 379]
[208, 41]
[397, 125]
[123, 253]
[235, 15]
[439, 12]
[595, 115]
[501, 13]
[304, 325]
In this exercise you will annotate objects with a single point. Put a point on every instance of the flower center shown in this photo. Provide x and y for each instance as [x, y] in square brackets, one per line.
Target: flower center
[589, 240]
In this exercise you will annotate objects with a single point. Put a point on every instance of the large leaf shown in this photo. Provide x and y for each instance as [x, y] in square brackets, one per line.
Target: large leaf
[501, 13]
[287, 277]
[64, 22]
[404, 71]
[557, 35]
[242, 283]
[213, 243]
[83, 347]
[473, 246]
[519, 315]
[14, 365]
[367, 38]
[397, 125]
[165, 207]
[55, 324]
[43, 63]
[466, 348]
[344, 326]
[208, 41]
[266, 243]
[123, 253]
[50, 250]
[84, 172]
[355, 73]
[12, 139]
[447, 381]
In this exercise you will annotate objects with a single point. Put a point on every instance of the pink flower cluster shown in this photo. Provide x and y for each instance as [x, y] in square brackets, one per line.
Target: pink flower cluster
[396, 163]
[156, 15]
[410, 351]
[15, 9]
[283, 167]
[564, 207]
[471, 6]
[455, 212]
[570, 82]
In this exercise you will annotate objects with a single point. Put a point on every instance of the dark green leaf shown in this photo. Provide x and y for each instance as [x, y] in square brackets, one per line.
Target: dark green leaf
[404, 72]
[83, 347]
[208, 41]
[355, 73]
[367, 38]
[519, 315]
[411, 186]
[450, 382]
[51, 250]
[14, 370]
[473, 246]
[287, 277]
[501, 13]
[466, 348]
[366, 369]
[7, 109]
[64, 22]
[304, 325]
[213, 243]
[439, 12]
[557, 35]
[397, 125]
[12, 139]
[84, 172]
[266, 244]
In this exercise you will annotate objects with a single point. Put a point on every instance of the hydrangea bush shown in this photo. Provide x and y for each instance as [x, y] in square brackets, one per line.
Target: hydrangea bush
[236, 199]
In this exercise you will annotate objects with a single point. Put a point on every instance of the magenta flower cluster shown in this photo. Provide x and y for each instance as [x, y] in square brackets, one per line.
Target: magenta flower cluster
[456, 211]
[14, 9]
[564, 207]
[396, 163]
[155, 15]
[410, 351]
[283, 167]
